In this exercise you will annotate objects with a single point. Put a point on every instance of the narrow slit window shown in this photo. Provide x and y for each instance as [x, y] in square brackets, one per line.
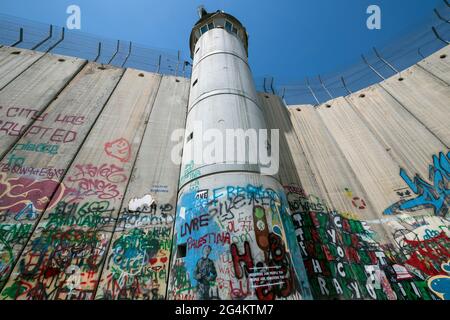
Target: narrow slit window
[181, 250]
[190, 137]
[195, 82]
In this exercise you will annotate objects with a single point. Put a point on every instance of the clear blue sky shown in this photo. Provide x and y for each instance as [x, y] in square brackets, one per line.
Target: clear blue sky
[289, 39]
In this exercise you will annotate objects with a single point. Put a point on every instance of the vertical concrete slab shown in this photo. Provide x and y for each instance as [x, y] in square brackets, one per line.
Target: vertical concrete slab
[369, 160]
[337, 179]
[64, 257]
[294, 166]
[406, 139]
[31, 172]
[22, 101]
[13, 61]
[438, 64]
[139, 255]
[425, 97]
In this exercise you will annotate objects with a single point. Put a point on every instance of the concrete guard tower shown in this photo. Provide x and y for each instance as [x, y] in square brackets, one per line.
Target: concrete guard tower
[233, 235]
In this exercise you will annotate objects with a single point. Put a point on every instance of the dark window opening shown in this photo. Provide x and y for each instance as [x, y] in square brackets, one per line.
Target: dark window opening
[197, 49]
[190, 137]
[228, 26]
[195, 82]
[204, 29]
[182, 250]
[211, 26]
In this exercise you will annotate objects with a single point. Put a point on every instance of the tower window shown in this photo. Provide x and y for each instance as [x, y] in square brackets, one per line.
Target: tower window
[204, 29]
[195, 82]
[234, 30]
[210, 25]
[228, 26]
[190, 137]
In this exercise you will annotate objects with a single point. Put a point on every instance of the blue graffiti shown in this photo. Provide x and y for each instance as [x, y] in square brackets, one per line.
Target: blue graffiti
[434, 194]
[441, 286]
[194, 207]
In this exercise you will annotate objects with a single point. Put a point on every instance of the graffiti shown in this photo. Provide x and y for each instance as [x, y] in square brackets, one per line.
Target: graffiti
[440, 284]
[211, 238]
[95, 214]
[432, 194]
[205, 272]
[140, 204]
[10, 235]
[13, 128]
[48, 172]
[357, 202]
[17, 194]
[99, 181]
[269, 280]
[189, 173]
[428, 255]
[159, 188]
[344, 262]
[51, 149]
[146, 219]
[119, 149]
[44, 270]
[136, 268]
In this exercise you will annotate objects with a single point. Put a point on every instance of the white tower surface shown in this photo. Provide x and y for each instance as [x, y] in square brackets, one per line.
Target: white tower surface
[233, 236]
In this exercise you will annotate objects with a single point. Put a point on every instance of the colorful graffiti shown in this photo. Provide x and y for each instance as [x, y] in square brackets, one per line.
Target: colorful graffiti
[434, 194]
[345, 262]
[22, 193]
[440, 284]
[64, 254]
[233, 245]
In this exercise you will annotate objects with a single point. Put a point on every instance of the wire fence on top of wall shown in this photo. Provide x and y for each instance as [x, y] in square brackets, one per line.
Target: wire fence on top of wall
[26, 34]
[372, 67]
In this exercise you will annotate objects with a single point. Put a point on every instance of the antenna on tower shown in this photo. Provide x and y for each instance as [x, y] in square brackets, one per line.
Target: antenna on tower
[201, 11]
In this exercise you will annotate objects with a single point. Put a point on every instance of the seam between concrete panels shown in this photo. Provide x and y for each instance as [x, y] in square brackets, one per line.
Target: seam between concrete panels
[414, 116]
[177, 195]
[433, 75]
[34, 62]
[126, 188]
[378, 139]
[33, 120]
[317, 176]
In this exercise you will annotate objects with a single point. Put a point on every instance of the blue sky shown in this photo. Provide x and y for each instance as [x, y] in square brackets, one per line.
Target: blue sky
[289, 39]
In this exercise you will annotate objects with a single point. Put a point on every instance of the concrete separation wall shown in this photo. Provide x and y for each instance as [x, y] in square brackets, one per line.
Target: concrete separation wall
[88, 191]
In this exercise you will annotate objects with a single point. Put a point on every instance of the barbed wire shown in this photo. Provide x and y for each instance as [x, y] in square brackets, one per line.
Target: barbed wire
[379, 63]
[58, 40]
[419, 43]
